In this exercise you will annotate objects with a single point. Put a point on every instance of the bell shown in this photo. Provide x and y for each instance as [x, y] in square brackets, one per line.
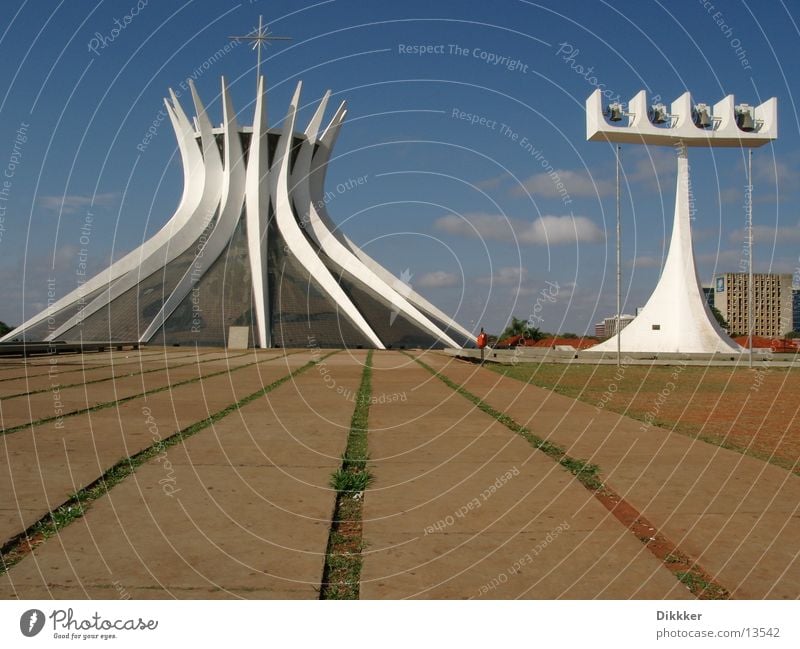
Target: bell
[614, 112]
[701, 116]
[744, 117]
[658, 114]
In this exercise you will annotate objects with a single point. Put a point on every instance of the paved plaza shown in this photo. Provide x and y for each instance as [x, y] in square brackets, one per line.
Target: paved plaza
[207, 474]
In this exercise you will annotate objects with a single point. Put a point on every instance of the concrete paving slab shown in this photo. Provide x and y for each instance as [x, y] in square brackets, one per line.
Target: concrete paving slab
[437, 525]
[77, 370]
[120, 369]
[42, 466]
[571, 565]
[236, 524]
[21, 410]
[669, 478]
[749, 548]
[478, 498]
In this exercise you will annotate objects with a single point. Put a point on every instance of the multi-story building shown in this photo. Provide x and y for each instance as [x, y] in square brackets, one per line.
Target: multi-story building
[600, 329]
[708, 292]
[610, 324]
[772, 303]
[796, 308]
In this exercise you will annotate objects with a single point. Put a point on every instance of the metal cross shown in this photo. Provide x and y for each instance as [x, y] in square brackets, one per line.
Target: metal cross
[259, 38]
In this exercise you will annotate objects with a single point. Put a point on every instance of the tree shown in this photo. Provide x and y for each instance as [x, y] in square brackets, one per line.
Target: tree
[4, 328]
[793, 334]
[519, 327]
[719, 318]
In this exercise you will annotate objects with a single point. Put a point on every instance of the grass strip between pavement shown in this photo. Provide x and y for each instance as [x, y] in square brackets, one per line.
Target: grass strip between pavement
[685, 569]
[77, 505]
[341, 576]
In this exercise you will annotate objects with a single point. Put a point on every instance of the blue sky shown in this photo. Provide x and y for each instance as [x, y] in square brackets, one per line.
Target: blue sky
[454, 109]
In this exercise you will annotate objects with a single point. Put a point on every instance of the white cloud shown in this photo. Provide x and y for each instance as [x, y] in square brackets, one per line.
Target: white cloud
[655, 161]
[768, 234]
[506, 276]
[736, 195]
[437, 279]
[775, 172]
[653, 166]
[772, 179]
[730, 195]
[478, 225]
[779, 265]
[646, 261]
[71, 203]
[575, 183]
[735, 261]
[554, 230]
[724, 260]
[491, 183]
[546, 230]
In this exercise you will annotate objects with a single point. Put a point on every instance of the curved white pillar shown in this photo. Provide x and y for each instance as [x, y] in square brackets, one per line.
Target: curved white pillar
[321, 161]
[231, 203]
[307, 183]
[293, 235]
[193, 182]
[257, 203]
[194, 215]
[317, 188]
